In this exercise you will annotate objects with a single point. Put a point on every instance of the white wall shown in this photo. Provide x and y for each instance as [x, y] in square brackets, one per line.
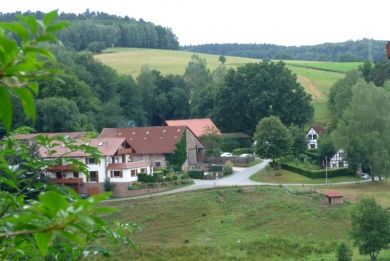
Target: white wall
[310, 140]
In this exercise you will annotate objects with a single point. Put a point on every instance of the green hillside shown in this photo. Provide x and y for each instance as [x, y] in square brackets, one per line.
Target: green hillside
[316, 77]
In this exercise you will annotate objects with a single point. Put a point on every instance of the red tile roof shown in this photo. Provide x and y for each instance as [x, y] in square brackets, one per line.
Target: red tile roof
[106, 146]
[333, 194]
[148, 140]
[198, 126]
[128, 165]
[319, 129]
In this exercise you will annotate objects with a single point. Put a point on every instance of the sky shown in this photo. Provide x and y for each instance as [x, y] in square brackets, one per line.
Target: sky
[283, 22]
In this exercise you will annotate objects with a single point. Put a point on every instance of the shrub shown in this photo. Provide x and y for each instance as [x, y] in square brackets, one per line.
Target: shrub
[243, 151]
[343, 252]
[216, 168]
[316, 174]
[135, 185]
[146, 178]
[108, 186]
[196, 174]
[228, 168]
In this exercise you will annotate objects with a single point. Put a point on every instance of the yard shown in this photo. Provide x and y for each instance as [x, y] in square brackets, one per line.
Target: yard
[284, 177]
[249, 223]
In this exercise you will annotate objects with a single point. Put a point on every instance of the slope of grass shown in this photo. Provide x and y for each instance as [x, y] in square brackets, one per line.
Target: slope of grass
[316, 77]
[234, 224]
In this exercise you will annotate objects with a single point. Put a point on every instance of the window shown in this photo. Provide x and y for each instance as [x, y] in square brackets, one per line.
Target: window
[59, 175]
[75, 174]
[314, 136]
[341, 164]
[312, 146]
[143, 170]
[123, 159]
[133, 172]
[158, 164]
[91, 161]
[93, 176]
[116, 174]
[309, 136]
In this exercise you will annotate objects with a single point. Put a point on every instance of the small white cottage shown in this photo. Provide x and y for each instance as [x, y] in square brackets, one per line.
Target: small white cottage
[338, 160]
[312, 136]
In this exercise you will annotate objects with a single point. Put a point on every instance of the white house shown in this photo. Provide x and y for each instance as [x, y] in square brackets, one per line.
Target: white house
[116, 163]
[313, 135]
[338, 160]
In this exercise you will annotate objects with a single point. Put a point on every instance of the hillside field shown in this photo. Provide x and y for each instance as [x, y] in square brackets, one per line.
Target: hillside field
[316, 77]
[247, 223]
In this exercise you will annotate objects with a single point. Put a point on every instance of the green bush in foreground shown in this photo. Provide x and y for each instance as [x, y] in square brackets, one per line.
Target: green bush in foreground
[196, 174]
[343, 252]
[228, 168]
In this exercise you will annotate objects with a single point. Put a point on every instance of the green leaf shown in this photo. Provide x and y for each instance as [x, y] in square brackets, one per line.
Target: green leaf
[6, 108]
[16, 28]
[53, 202]
[42, 51]
[43, 241]
[30, 21]
[56, 27]
[27, 100]
[49, 17]
[34, 87]
[10, 50]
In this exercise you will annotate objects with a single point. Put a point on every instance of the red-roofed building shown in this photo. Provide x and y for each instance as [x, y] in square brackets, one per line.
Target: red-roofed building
[153, 144]
[333, 197]
[198, 126]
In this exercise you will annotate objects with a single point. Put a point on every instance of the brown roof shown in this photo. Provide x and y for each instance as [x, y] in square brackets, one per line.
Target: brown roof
[319, 129]
[128, 165]
[106, 146]
[333, 194]
[198, 126]
[30, 136]
[148, 140]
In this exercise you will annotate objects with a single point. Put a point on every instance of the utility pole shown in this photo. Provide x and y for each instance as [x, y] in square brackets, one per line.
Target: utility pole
[326, 169]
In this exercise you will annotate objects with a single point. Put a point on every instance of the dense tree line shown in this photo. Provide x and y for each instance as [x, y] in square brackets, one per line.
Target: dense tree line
[96, 30]
[360, 123]
[340, 52]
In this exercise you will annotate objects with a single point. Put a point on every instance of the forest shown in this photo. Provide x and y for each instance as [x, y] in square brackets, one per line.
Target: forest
[95, 31]
[350, 51]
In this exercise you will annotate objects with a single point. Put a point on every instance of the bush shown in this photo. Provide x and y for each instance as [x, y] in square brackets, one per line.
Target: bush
[146, 178]
[216, 168]
[317, 174]
[228, 168]
[243, 151]
[196, 174]
[343, 252]
[108, 186]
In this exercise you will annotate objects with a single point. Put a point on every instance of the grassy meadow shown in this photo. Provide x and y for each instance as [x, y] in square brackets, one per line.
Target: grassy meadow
[316, 77]
[248, 223]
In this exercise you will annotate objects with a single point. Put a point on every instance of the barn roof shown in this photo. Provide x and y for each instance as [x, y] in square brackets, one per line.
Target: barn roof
[148, 140]
[198, 126]
[333, 194]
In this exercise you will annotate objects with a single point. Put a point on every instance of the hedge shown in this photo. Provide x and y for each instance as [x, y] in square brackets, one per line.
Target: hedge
[317, 174]
[196, 174]
[146, 178]
[243, 151]
[216, 168]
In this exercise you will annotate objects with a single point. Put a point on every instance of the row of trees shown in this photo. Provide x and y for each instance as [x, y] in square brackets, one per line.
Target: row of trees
[96, 30]
[91, 96]
[360, 124]
[341, 52]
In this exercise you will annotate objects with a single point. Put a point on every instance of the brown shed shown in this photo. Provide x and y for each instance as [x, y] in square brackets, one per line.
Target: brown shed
[334, 197]
[388, 50]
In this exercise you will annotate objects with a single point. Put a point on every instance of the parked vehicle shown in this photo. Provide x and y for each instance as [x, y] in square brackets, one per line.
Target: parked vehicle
[365, 176]
[245, 155]
[226, 155]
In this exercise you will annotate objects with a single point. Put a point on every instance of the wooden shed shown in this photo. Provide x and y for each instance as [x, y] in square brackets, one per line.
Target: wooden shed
[388, 50]
[334, 197]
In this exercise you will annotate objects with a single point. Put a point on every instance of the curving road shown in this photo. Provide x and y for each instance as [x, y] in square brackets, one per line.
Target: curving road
[240, 177]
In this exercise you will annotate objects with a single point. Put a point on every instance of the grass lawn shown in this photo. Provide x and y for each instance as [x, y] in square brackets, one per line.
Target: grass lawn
[311, 74]
[251, 223]
[284, 177]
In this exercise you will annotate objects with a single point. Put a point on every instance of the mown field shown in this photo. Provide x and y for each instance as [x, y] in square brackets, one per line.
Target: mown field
[262, 223]
[316, 77]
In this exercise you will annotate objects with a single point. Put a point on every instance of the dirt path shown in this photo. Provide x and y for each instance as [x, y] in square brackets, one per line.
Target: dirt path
[309, 86]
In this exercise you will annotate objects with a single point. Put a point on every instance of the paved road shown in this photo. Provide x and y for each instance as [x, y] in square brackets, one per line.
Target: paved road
[240, 177]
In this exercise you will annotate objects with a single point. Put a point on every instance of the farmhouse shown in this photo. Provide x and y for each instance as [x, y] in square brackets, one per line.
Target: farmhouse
[312, 136]
[198, 126]
[338, 160]
[153, 144]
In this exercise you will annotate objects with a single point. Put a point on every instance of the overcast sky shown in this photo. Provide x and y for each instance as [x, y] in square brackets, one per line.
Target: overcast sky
[284, 22]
